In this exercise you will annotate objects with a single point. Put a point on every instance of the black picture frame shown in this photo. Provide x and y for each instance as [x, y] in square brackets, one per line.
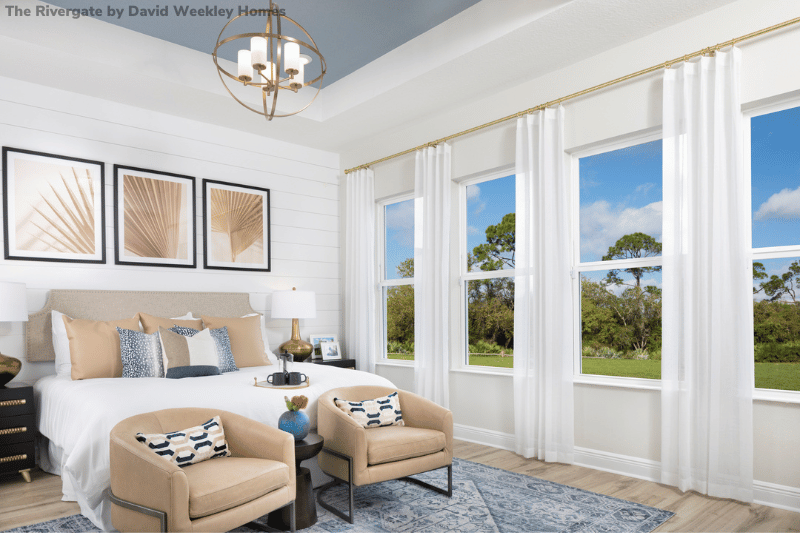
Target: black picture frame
[240, 195]
[68, 218]
[145, 248]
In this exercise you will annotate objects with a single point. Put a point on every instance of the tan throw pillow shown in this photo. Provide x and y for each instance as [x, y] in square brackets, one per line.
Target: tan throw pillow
[151, 323]
[246, 342]
[94, 346]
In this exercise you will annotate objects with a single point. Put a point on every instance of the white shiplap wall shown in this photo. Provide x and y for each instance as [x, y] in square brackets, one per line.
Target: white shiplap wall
[304, 202]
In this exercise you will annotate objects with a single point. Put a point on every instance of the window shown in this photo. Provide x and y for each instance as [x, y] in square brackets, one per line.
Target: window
[618, 262]
[775, 197]
[397, 279]
[488, 270]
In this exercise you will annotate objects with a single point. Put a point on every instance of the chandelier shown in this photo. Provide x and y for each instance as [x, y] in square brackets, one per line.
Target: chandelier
[269, 56]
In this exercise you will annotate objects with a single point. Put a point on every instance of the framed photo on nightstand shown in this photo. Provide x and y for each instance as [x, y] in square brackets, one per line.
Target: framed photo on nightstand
[330, 350]
[316, 339]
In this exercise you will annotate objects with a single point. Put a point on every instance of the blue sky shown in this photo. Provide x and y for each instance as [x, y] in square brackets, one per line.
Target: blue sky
[620, 193]
[399, 220]
[487, 204]
[775, 167]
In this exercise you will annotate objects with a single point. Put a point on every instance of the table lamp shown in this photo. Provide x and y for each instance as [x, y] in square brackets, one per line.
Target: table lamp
[13, 308]
[295, 304]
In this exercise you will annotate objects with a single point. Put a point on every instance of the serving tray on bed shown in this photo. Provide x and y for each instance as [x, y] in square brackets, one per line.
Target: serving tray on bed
[268, 385]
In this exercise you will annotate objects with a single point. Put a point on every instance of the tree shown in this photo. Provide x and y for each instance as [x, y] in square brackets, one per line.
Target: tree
[632, 246]
[498, 250]
[779, 286]
[400, 307]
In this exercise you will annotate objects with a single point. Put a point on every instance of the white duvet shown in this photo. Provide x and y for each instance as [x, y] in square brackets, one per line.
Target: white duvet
[77, 416]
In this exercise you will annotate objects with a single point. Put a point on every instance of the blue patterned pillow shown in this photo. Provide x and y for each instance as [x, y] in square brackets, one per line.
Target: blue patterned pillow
[380, 412]
[223, 342]
[189, 446]
[141, 354]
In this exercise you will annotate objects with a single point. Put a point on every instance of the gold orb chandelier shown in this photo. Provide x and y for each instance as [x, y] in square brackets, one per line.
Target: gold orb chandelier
[267, 53]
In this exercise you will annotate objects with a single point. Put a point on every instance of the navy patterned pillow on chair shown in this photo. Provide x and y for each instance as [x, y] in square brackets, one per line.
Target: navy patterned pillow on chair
[189, 446]
[380, 412]
[141, 354]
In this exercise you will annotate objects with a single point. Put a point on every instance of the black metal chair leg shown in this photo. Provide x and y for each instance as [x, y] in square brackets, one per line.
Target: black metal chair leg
[448, 492]
[337, 481]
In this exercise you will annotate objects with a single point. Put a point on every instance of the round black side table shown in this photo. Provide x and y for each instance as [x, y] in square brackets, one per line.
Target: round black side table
[305, 506]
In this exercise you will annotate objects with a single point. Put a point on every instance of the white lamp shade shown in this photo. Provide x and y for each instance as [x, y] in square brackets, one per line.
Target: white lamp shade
[258, 52]
[13, 302]
[268, 74]
[291, 56]
[245, 65]
[294, 304]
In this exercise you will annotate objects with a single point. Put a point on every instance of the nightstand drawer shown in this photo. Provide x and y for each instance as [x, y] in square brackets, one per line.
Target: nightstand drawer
[17, 429]
[16, 457]
[16, 401]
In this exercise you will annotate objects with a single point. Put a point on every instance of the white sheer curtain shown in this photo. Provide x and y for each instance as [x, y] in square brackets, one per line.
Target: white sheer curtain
[543, 345]
[359, 305]
[707, 365]
[432, 189]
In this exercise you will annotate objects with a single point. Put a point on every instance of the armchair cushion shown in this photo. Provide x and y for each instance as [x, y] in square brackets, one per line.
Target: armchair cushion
[380, 412]
[189, 446]
[216, 486]
[389, 444]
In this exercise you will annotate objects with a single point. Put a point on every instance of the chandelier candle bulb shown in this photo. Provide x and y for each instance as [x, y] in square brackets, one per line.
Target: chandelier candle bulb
[291, 58]
[297, 81]
[258, 51]
[245, 66]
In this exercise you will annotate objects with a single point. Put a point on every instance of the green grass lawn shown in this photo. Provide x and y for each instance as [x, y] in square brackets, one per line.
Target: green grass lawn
[782, 376]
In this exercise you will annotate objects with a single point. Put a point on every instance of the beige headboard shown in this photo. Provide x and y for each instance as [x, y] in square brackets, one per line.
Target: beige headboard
[113, 305]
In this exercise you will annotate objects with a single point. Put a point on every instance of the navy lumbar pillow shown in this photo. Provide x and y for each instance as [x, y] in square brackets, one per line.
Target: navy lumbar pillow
[189, 446]
[380, 412]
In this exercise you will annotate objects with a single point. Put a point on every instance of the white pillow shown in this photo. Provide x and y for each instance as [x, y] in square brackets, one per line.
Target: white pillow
[61, 345]
[272, 357]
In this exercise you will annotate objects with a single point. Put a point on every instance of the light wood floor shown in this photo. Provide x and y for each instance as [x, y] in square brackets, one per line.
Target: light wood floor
[29, 503]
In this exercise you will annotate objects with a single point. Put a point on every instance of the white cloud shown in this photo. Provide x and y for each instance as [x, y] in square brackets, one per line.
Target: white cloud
[602, 225]
[473, 193]
[784, 204]
[644, 188]
[400, 216]
[472, 230]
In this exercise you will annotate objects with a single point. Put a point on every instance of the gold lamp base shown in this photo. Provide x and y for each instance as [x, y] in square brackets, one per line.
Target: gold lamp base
[296, 346]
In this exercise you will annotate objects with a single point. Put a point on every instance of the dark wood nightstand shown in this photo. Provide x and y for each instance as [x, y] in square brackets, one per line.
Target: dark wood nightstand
[17, 429]
[341, 363]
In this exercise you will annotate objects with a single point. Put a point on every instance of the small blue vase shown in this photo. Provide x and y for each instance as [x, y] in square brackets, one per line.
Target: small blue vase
[296, 423]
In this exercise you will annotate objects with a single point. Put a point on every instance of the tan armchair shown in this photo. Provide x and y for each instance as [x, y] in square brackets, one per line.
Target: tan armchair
[359, 456]
[151, 494]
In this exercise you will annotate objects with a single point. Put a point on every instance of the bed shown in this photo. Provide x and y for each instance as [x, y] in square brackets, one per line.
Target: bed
[74, 418]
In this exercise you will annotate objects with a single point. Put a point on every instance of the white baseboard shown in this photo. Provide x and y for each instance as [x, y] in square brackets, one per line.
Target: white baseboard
[780, 496]
[764, 493]
[488, 437]
[616, 463]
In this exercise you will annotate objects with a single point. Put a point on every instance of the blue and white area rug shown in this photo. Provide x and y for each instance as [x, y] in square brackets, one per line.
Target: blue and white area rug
[484, 499]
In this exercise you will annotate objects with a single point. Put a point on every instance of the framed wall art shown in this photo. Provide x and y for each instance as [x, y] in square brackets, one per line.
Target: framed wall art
[53, 207]
[155, 222]
[235, 227]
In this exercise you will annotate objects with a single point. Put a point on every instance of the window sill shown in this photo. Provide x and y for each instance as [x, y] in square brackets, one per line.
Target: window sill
[483, 370]
[401, 364]
[777, 396]
[623, 383]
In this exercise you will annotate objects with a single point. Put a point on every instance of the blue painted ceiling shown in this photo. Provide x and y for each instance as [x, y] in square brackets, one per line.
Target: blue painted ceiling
[349, 33]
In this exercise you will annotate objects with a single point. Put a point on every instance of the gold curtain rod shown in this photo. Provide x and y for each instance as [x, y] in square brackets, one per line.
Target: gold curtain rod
[666, 64]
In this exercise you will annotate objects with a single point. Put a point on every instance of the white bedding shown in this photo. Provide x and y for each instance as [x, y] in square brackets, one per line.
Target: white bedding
[77, 417]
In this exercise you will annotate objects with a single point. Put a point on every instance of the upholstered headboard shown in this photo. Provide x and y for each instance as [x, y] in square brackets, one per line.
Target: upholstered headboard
[113, 305]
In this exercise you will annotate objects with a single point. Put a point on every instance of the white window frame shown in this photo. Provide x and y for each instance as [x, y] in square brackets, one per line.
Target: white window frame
[772, 252]
[380, 356]
[462, 346]
[626, 141]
